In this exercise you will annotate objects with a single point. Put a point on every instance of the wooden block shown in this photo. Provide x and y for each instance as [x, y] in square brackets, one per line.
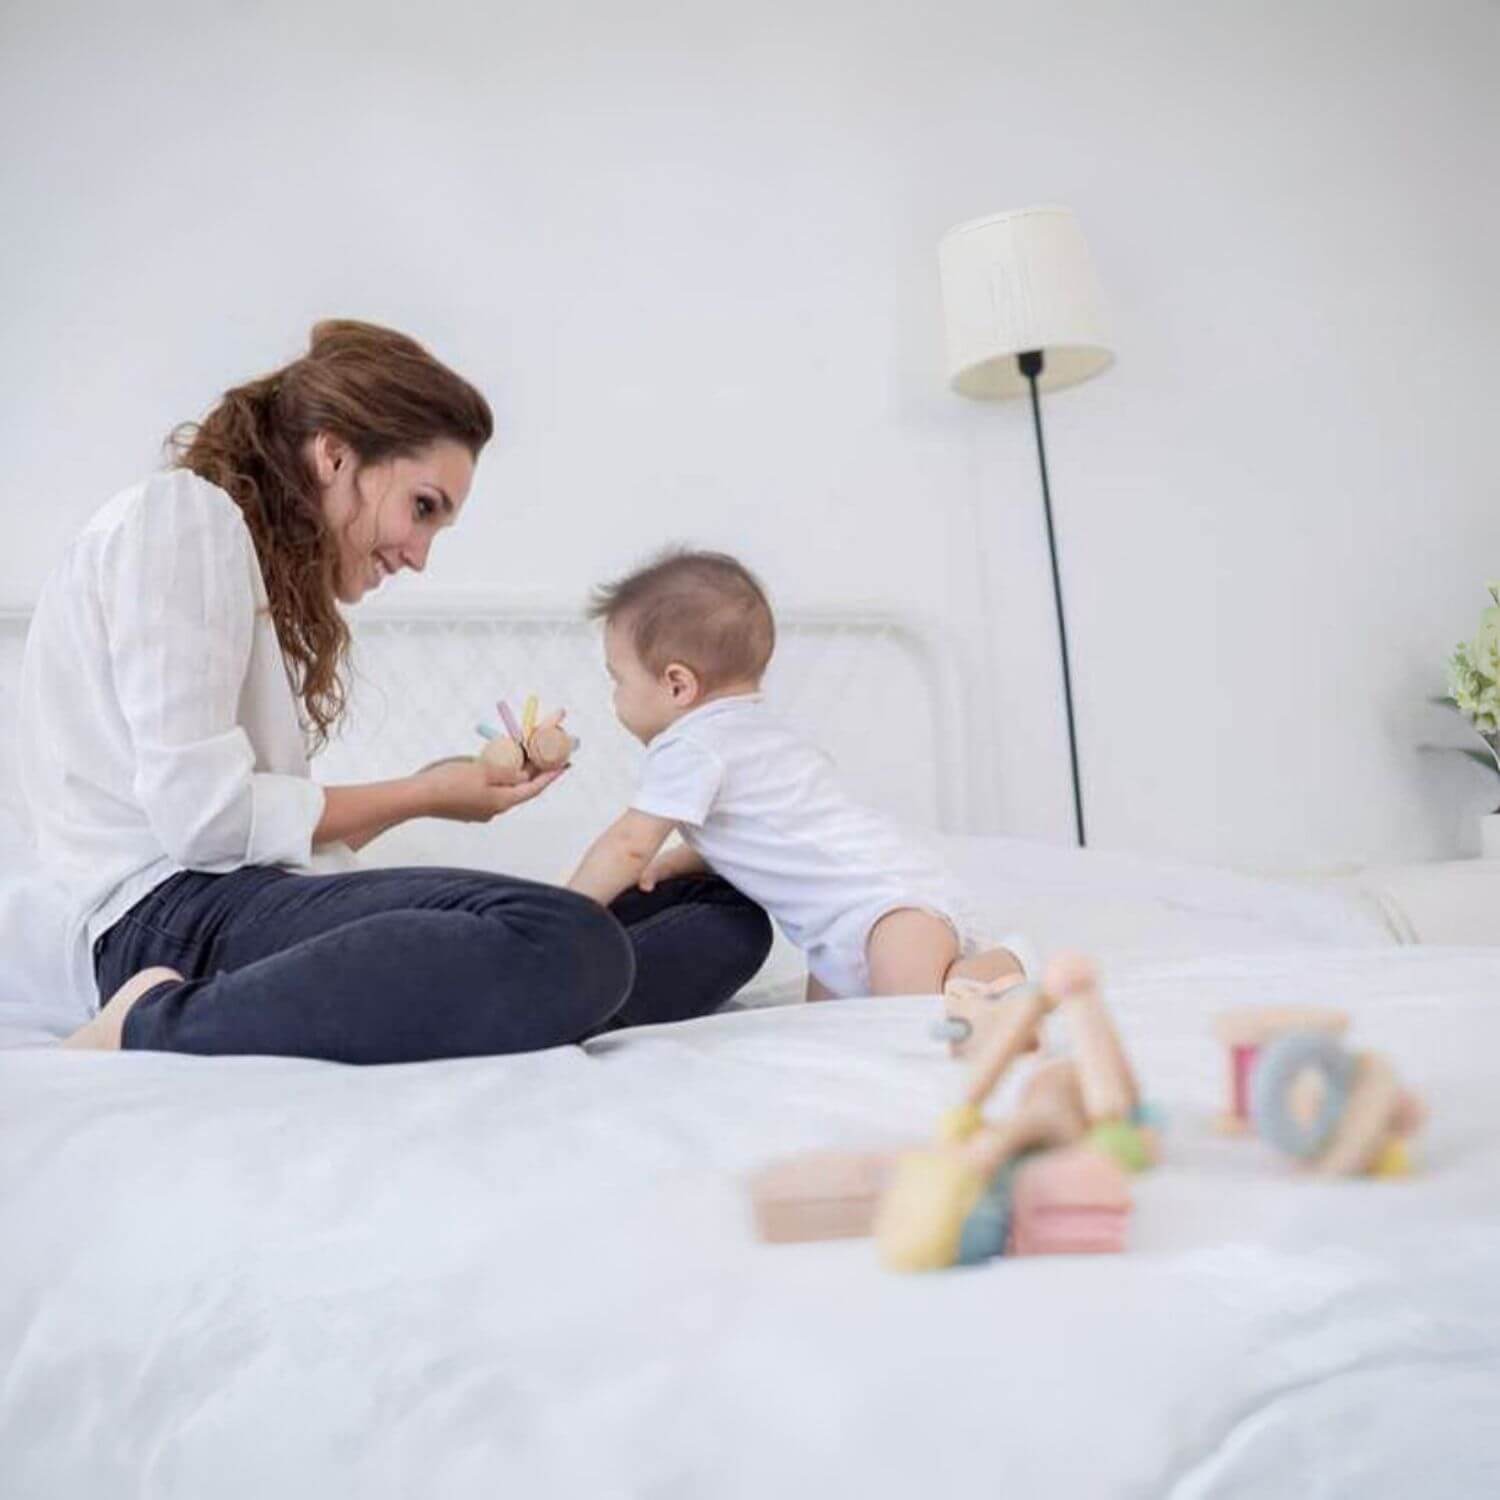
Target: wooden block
[819, 1195]
[1070, 1201]
[1255, 1025]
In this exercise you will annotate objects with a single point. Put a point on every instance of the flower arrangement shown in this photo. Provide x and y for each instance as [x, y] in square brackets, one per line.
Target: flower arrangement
[1474, 683]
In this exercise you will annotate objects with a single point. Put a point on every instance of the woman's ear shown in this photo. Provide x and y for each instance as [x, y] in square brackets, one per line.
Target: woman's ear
[330, 457]
[682, 683]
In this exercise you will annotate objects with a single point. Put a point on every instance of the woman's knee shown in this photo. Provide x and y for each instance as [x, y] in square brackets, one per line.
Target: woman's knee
[586, 961]
[746, 940]
[740, 929]
[705, 938]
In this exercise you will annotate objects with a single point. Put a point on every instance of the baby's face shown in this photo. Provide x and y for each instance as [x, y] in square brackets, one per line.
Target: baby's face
[644, 703]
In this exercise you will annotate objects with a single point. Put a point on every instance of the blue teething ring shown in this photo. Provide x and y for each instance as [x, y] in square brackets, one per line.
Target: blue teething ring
[1279, 1065]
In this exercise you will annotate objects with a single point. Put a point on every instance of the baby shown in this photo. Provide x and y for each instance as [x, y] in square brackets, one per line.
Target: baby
[686, 641]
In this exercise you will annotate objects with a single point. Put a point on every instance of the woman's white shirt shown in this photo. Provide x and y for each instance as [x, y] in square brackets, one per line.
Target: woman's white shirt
[159, 729]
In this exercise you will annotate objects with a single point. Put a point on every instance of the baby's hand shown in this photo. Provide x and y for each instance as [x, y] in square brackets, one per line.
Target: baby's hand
[668, 865]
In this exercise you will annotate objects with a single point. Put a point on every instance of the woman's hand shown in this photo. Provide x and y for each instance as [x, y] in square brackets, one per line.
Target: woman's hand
[468, 791]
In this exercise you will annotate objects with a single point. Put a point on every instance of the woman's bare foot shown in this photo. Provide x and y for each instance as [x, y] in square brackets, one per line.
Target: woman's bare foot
[102, 1034]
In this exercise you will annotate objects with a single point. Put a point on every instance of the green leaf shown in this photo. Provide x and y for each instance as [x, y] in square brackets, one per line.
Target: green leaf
[1479, 756]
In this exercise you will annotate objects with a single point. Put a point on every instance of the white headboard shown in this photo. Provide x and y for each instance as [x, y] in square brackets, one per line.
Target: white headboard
[877, 691]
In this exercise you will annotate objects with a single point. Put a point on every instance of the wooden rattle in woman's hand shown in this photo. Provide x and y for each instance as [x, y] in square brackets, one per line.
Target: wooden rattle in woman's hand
[527, 747]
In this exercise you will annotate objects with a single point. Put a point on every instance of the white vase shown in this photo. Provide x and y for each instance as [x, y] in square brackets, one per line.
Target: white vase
[1489, 836]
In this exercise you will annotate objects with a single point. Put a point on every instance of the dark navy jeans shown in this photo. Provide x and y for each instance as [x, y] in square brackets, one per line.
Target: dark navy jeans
[405, 965]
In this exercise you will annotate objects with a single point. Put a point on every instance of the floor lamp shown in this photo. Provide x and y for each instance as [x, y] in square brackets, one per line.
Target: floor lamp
[1024, 314]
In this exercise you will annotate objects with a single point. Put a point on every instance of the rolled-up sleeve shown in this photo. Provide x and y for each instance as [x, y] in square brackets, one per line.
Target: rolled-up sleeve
[179, 613]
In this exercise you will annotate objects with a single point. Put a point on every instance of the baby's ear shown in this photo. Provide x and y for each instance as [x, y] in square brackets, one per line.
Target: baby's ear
[682, 683]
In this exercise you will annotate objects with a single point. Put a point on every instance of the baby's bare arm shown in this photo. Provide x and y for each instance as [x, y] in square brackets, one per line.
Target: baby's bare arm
[618, 857]
[670, 863]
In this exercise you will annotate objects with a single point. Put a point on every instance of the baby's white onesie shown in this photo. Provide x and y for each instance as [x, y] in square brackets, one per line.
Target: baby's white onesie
[764, 809]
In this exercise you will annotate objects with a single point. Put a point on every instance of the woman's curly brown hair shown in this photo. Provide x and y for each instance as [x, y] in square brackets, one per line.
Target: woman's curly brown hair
[381, 393]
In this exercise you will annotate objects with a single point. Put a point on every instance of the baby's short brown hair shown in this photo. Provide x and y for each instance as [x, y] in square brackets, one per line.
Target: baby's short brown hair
[703, 609]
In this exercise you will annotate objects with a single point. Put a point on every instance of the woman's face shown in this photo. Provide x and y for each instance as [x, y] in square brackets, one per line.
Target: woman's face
[385, 515]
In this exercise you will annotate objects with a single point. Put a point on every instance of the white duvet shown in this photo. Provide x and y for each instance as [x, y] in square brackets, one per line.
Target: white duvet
[534, 1276]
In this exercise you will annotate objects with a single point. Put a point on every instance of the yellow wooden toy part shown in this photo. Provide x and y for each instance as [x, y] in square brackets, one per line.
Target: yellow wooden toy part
[921, 1216]
[919, 1223]
[1394, 1159]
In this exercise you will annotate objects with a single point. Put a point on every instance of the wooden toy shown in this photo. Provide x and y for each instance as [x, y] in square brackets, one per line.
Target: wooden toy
[973, 1009]
[921, 1220]
[1073, 1201]
[1357, 1120]
[819, 1195]
[1013, 1033]
[822, 1195]
[1057, 1083]
[1246, 1031]
[1109, 1088]
[919, 1223]
[952, 1203]
[976, 1011]
[525, 747]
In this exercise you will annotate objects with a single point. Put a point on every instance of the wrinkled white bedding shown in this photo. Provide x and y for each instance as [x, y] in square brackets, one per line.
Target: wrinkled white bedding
[533, 1276]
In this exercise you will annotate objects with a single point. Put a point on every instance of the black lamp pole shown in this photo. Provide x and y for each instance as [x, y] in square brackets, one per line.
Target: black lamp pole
[1031, 363]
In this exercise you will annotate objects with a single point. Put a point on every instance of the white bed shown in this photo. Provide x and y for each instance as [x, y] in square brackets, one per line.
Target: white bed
[534, 1275]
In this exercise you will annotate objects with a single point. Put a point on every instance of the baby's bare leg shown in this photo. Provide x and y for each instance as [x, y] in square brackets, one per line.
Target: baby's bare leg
[913, 952]
[910, 953]
[986, 967]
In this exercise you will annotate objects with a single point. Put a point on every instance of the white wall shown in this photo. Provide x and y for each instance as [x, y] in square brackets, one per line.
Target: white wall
[688, 250]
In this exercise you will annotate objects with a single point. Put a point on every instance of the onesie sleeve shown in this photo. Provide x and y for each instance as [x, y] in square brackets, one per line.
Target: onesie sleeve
[179, 610]
[679, 781]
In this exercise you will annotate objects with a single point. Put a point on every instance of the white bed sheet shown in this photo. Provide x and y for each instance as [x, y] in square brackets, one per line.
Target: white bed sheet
[534, 1275]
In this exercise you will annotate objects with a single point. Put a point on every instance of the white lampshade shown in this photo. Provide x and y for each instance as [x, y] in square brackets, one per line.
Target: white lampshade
[1015, 282]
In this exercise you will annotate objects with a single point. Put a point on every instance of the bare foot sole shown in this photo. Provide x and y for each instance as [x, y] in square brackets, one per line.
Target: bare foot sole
[102, 1034]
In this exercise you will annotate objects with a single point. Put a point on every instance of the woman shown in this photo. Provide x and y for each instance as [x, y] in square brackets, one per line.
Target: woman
[181, 661]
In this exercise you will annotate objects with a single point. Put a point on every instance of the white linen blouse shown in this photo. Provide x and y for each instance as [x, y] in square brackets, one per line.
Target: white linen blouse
[159, 730]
